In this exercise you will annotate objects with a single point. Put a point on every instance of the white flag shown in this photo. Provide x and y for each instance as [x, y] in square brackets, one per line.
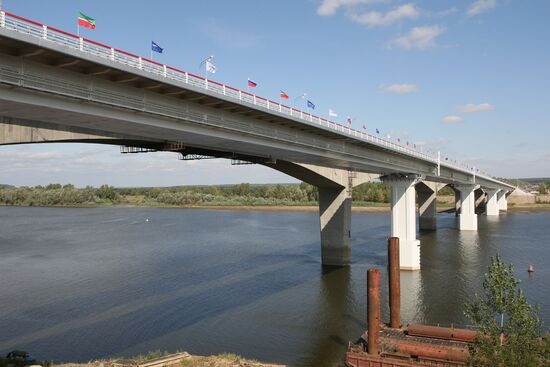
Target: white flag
[211, 68]
[331, 113]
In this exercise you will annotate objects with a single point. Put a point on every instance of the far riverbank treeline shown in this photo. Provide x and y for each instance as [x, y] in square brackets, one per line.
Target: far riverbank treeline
[244, 194]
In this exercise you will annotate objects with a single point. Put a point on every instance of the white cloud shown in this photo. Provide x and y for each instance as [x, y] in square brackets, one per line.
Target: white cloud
[449, 120]
[442, 141]
[471, 107]
[418, 38]
[445, 13]
[378, 19]
[480, 6]
[399, 88]
[329, 7]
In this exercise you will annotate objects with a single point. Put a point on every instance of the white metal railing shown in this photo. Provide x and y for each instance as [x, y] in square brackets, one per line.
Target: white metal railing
[22, 25]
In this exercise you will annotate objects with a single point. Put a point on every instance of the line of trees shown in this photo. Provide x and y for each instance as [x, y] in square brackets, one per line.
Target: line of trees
[241, 194]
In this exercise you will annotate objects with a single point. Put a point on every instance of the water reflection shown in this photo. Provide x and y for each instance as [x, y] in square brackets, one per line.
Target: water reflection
[333, 318]
[411, 296]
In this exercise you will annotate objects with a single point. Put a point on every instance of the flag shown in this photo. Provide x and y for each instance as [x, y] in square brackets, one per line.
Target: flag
[349, 120]
[364, 127]
[208, 59]
[252, 84]
[310, 105]
[86, 21]
[283, 95]
[331, 113]
[156, 48]
[377, 131]
[399, 140]
[211, 68]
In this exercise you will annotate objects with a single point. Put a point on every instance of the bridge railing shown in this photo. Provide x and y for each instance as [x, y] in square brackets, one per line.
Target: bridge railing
[22, 25]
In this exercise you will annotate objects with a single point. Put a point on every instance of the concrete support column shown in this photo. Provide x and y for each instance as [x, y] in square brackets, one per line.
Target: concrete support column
[457, 203]
[492, 203]
[467, 219]
[427, 206]
[335, 193]
[335, 217]
[480, 201]
[403, 219]
[502, 201]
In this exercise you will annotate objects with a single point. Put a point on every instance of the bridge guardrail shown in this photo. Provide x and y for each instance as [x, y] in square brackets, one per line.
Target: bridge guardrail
[22, 25]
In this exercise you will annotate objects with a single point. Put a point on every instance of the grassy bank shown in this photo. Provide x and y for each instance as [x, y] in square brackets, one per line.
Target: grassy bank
[157, 359]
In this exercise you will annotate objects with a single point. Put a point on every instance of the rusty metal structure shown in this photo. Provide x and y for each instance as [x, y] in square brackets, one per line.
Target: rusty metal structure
[414, 345]
[394, 282]
[373, 310]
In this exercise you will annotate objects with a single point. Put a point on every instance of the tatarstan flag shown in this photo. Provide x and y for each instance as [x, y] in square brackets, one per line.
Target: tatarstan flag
[283, 95]
[86, 21]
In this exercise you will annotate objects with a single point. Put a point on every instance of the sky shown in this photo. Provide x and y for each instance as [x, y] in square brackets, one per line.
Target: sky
[469, 78]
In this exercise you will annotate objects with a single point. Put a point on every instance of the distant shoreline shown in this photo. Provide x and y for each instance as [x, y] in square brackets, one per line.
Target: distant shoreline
[381, 208]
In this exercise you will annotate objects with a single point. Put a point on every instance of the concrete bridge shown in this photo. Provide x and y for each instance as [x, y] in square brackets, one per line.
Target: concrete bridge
[58, 87]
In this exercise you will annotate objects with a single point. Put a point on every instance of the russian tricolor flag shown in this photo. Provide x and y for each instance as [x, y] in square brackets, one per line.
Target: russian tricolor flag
[252, 84]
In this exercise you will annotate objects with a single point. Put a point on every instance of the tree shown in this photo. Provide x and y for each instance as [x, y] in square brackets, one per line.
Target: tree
[509, 327]
[542, 189]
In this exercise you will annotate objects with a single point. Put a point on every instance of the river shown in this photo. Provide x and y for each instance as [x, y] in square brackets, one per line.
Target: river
[80, 284]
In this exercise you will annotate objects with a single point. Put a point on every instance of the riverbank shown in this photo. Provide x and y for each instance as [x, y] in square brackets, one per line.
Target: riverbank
[179, 360]
[361, 208]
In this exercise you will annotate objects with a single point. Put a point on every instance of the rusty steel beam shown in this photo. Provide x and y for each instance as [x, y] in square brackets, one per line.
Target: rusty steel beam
[433, 351]
[462, 335]
[394, 282]
[373, 311]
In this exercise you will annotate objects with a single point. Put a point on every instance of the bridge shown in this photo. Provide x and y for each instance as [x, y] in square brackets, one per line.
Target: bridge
[59, 87]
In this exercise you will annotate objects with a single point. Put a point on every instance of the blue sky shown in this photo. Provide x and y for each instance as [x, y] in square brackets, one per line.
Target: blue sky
[469, 78]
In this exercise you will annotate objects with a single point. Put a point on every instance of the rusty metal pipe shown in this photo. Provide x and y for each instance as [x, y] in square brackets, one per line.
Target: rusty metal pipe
[394, 282]
[463, 335]
[373, 311]
[447, 353]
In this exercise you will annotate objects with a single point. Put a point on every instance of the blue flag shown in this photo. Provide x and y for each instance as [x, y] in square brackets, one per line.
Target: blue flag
[156, 48]
[377, 131]
[310, 105]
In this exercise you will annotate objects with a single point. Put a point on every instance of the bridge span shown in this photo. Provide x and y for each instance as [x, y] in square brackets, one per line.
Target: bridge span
[59, 87]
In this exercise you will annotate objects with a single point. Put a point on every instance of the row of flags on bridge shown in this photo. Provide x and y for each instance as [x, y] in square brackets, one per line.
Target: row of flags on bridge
[209, 67]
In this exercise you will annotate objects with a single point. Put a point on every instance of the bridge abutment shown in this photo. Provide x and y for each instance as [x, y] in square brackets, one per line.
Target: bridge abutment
[492, 203]
[403, 218]
[467, 219]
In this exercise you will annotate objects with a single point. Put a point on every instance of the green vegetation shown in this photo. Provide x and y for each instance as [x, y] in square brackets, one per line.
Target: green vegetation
[510, 330]
[244, 194]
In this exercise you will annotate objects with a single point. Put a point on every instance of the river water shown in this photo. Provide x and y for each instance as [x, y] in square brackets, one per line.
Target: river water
[79, 284]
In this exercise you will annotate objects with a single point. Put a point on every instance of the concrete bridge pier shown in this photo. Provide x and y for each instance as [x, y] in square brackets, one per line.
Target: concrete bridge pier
[457, 201]
[480, 201]
[502, 200]
[335, 199]
[335, 222]
[492, 203]
[427, 205]
[467, 219]
[403, 218]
